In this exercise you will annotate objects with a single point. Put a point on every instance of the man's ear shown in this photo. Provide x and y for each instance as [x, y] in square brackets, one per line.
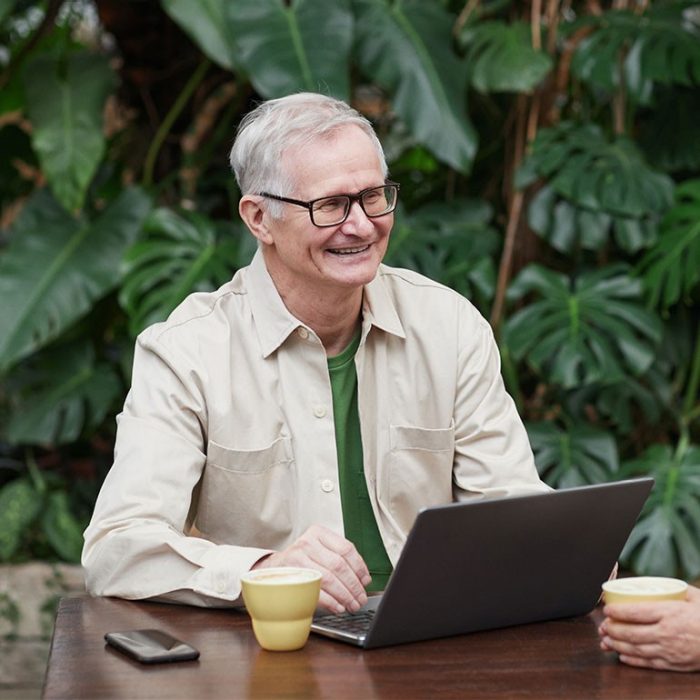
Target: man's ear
[255, 217]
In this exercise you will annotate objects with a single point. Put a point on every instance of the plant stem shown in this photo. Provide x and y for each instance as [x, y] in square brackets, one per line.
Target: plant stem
[675, 470]
[691, 394]
[170, 117]
[34, 472]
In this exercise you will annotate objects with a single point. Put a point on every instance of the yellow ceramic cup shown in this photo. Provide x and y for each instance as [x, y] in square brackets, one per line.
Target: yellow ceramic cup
[281, 602]
[644, 589]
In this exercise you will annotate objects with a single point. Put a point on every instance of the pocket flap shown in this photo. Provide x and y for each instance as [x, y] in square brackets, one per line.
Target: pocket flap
[407, 437]
[250, 461]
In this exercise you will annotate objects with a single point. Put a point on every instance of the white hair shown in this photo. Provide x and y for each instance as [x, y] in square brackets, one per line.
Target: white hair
[276, 125]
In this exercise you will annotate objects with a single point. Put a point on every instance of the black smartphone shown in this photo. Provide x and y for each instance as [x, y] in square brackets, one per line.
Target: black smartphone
[151, 646]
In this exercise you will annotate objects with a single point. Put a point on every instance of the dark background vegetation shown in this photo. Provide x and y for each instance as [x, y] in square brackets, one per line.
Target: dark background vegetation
[549, 157]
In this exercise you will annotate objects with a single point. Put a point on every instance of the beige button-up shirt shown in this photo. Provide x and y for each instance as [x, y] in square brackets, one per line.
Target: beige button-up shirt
[226, 447]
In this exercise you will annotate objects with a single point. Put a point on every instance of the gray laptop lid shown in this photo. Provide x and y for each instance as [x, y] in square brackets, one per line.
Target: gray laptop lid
[486, 564]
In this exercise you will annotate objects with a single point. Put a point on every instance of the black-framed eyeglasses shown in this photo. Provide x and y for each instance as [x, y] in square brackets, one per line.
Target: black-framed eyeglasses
[334, 210]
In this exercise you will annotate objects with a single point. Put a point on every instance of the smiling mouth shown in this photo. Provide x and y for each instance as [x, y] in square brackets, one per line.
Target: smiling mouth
[348, 251]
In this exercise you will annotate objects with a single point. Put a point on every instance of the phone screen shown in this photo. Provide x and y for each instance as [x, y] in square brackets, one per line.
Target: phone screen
[151, 646]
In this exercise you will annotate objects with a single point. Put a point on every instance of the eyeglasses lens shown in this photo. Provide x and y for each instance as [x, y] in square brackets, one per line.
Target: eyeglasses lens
[334, 210]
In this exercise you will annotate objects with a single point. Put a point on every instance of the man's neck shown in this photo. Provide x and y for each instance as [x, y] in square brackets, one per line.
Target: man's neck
[333, 314]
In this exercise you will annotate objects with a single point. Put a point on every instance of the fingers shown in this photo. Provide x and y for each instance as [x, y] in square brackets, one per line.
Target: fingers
[344, 574]
[631, 633]
[646, 613]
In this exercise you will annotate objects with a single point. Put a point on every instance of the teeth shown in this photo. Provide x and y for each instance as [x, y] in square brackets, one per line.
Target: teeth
[347, 251]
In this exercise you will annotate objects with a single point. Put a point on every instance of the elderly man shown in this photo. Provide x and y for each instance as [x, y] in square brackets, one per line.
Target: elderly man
[304, 412]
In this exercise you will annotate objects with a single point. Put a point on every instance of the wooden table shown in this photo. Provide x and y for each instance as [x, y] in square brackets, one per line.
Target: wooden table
[548, 660]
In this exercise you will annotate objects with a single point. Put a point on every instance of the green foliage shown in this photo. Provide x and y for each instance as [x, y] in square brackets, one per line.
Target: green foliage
[575, 456]
[595, 189]
[38, 508]
[59, 395]
[283, 48]
[290, 48]
[177, 254]
[452, 243]
[57, 266]
[663, 45]
[502, 58]
[666, 540]
[68, 139]
[584, 329]
[671, 269]
[412, 34]
[19, 506]
[207, 22]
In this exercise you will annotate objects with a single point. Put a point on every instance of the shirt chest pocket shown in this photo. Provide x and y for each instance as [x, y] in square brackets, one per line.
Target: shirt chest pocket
[246, 494]
[420, 470]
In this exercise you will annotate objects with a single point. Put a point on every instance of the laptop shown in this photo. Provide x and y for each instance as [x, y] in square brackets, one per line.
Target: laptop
[480, 565]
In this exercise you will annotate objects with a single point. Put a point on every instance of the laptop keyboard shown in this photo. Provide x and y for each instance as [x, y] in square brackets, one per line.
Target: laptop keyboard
[354, 623]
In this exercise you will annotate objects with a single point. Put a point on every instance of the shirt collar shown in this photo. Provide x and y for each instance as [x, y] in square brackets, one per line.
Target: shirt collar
[274, 322]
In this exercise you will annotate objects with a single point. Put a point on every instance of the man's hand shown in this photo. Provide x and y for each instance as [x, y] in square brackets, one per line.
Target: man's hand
[344, 573]
[663, 635]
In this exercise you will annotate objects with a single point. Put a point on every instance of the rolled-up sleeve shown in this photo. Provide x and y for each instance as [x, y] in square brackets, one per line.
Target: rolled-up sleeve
[493, 457]
[138, 543]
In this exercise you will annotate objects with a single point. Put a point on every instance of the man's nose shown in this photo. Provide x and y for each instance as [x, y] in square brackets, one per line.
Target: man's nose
[357, 222]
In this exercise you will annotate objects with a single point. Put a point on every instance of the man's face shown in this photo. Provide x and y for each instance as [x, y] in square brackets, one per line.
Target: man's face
[337, 257]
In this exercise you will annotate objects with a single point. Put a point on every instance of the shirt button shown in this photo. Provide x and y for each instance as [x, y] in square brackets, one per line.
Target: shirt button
[303, 333]
[320, 411]
[327, 485]
[220, 586]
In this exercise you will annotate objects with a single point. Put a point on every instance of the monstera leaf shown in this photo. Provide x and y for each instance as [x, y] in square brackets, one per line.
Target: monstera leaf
[501, 57]
[56, 267]
[671, 269]
[666, 539]
[402, 47]
[452, 243]
[180, 253]
[574, 456]
[59, 395]
[661, 45]
[283, 47]
[582, 330]
[65, 102]
[593, 190]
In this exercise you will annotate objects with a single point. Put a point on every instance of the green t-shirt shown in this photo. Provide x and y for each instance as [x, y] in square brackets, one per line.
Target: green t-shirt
[358, 518]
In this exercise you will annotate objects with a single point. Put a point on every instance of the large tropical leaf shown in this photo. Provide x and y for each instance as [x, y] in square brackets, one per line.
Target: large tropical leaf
[501, 57]
[588, 329]
[671, 269]
[59, 396]
[666, 540]
[296, 46]
[452, 243]
[661, 45]
[573, 457]
[56, 267]
[403, 47]
[180, 253]
[594, 189]
[209, 25]
[65, 101]
[283, 47]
